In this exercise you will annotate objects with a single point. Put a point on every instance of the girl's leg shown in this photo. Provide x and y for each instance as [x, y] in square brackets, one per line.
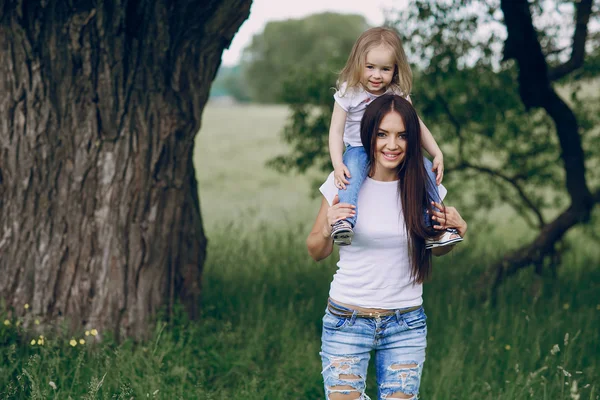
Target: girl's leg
[449, 236]
[357, 161]
[432, 191]
[400, 357]
[345, 346]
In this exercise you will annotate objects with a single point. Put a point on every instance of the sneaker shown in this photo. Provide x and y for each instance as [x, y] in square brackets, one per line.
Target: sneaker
[342, 233]
[449, 237]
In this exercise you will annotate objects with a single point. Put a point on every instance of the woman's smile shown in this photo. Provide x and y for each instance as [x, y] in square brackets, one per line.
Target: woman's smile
[391, 156]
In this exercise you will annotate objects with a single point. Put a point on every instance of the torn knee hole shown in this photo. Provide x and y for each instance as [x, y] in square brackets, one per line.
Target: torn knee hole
[343, 392]
[404, 366]
[340, 365]
[399, 395]
[349, 377]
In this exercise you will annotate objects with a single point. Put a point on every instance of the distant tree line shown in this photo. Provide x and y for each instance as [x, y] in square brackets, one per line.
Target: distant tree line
[284, 51]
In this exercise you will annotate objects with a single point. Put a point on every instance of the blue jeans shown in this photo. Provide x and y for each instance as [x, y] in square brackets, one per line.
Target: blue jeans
[357, 162]
[432, 191]
[399, 342]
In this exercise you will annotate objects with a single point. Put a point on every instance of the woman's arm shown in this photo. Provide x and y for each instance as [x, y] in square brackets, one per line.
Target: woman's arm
[448, 219]
[319, 241]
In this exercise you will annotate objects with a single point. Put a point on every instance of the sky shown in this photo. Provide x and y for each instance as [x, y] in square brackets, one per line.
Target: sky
[263, 11]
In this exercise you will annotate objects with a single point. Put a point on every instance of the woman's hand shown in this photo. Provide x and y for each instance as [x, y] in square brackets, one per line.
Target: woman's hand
[319, 242]
[450, 219]
[438, 165]
[336, 212]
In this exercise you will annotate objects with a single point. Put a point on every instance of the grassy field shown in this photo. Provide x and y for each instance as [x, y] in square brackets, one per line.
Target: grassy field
[264, 297]
[234, 183]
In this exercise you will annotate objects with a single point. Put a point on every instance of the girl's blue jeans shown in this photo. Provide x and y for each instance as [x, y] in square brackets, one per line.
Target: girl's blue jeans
[357, 162]
[398, 341]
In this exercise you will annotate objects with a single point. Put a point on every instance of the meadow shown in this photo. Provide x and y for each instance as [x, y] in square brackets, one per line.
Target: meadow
[263, 300]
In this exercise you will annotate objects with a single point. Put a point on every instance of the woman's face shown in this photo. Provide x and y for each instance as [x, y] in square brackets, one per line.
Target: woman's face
[390, 146]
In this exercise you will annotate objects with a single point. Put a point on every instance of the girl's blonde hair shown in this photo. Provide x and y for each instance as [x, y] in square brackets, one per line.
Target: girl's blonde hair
[374, 37]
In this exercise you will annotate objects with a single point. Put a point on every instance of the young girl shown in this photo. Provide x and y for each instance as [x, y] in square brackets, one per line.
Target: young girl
[377, 64]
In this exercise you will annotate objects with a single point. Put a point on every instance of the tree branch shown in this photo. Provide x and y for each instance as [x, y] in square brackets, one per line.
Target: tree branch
[536, 90]
[454, 121]
[535, 252]
[582, 17]
[510, 180]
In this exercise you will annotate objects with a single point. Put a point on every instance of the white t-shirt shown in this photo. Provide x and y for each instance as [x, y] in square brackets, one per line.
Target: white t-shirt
[374, 271]
[354, 101]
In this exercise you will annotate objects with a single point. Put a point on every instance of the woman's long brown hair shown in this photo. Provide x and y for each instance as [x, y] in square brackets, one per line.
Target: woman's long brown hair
[412, 177]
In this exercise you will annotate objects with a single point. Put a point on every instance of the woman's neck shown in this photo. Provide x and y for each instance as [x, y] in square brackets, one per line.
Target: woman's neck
[384, 175]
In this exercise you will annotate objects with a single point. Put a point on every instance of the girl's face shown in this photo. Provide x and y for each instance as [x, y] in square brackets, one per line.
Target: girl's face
[390, 146]
[379, 69]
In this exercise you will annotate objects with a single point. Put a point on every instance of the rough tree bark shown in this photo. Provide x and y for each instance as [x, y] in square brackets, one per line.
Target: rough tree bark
[535, 87]
[99, 214]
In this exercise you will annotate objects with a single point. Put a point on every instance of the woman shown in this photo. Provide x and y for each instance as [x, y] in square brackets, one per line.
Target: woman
[375, 299]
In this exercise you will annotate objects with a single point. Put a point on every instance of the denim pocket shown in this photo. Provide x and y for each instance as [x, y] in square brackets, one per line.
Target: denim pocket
[415, 319]
[330, 321]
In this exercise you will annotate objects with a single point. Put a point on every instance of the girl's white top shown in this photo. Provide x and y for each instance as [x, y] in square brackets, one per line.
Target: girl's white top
[374, 271]
[354, 101]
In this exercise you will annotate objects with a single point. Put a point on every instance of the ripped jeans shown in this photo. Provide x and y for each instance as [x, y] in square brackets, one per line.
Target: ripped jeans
[399, 343]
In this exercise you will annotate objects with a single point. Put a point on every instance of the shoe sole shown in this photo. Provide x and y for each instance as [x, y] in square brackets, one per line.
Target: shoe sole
[448, 243]
[343, 238]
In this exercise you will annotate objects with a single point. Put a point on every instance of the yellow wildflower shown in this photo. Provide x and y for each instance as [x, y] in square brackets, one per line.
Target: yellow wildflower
[94, 332]
[566, 306]
[81, 341]
[491, 338]
[26, 306]
[507, 347]
[7, 322]
[40, 341]
[37, 321]
[598, 307]
[73, 342]
[87, 333]
[41, 336]
[33, 342]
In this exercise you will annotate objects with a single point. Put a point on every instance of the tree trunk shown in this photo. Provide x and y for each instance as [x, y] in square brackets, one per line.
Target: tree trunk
[99, 215]
[536, 90]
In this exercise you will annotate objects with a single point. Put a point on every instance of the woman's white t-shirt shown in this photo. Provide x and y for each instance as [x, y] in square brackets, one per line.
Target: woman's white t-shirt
[374, 272]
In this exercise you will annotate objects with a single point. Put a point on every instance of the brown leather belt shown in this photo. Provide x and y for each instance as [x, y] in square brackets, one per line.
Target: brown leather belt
[342, 313]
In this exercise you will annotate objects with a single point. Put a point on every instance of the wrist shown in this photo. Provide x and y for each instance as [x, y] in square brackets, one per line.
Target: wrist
[326, 232]
[462, 230]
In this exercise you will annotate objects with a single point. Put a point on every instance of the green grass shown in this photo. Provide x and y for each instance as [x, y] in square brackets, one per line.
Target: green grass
[260, 334]
[263, 300]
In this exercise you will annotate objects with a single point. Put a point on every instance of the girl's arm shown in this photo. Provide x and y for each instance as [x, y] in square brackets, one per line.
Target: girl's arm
[319, 241]
[432, 148]
[336, 145]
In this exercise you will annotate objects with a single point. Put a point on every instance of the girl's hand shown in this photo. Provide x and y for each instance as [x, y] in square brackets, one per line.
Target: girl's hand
[336, 212]
[438, 165]
[340, 173]
[451, 219]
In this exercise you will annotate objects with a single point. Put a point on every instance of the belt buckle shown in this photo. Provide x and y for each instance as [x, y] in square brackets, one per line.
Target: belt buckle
[377, 315]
